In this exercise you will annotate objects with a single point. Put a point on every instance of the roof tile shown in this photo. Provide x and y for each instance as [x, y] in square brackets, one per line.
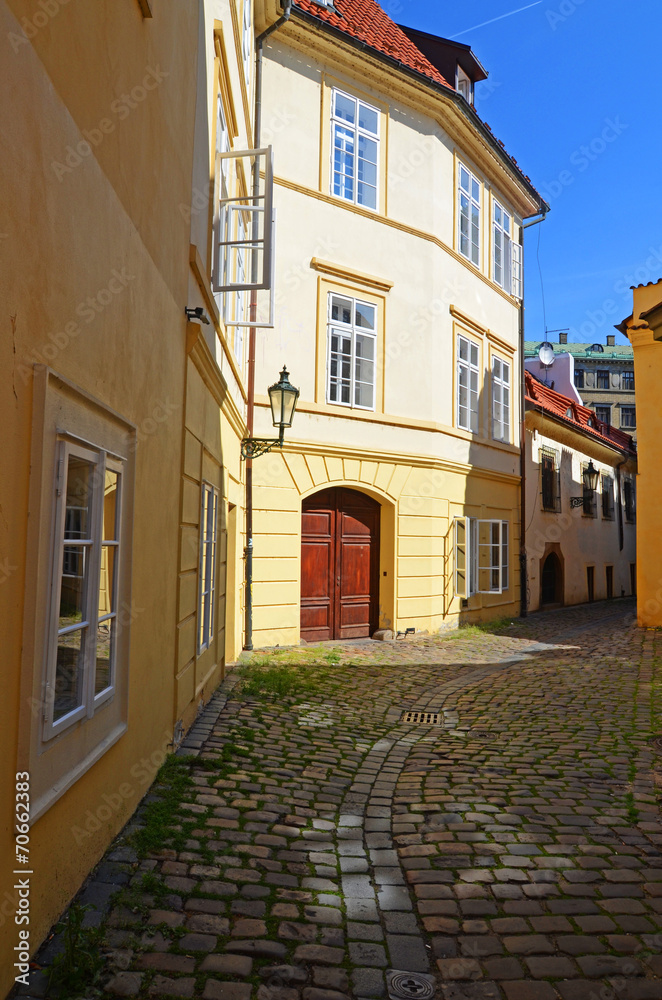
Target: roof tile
[558, 405]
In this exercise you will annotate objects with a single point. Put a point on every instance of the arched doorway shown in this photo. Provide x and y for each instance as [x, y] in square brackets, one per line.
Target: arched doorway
[551, 580]
[339, 565]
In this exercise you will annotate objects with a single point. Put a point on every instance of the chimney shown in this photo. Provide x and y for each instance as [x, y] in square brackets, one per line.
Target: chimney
[563, 338]
[611, 340]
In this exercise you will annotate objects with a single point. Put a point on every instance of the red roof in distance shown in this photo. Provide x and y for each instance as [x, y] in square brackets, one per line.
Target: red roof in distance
[557, 405]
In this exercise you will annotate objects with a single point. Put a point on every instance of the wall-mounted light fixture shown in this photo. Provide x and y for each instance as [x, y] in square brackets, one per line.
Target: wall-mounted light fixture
[590, 476]
[197, 314]
[283, 398]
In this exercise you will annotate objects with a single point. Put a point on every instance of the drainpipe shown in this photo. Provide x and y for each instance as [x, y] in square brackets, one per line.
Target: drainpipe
[250, 402]
[523, 573]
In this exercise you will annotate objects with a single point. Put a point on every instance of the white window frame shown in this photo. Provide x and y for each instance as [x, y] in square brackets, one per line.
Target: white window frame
[358, 132]
[482, 552]
[100, 460]
[473, 395]
[502, 242]
[501, 395]
[465, 211]
[351, 330]
[207, 565]
[246, 38]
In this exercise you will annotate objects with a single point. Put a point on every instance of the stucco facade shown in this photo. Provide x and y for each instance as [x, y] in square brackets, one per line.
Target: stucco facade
[644, 330]
[407, 450]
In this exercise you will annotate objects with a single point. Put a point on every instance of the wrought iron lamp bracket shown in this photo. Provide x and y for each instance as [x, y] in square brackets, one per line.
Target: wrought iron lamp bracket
[254, 447]
[579, 501]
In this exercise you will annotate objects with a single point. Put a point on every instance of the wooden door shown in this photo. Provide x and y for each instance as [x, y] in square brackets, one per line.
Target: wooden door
[339, 565]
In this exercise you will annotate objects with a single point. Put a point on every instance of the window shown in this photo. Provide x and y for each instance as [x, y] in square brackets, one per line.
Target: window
[501, 244]
[355, 150]
[628, 416]
[627, 380]
[467, 384]
[550, 476]
[602, 380]
[481, 556]
[207, 568]
[469, 212]
[603, 413]
[246, 37]
[607, 498]
[628, 499]
[351, 351]
[83, 632]
[579, 378]
[500, 400]
[464, 85]
[609, 574]
[590, 507]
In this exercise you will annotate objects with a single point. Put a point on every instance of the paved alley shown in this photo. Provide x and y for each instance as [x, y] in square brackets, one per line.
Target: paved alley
[309, 843]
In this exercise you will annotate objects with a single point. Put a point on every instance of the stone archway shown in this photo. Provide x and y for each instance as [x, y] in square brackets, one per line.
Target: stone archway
[552, 576]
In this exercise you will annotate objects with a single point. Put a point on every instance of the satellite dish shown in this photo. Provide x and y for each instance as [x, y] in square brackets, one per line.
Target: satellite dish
[546, 354]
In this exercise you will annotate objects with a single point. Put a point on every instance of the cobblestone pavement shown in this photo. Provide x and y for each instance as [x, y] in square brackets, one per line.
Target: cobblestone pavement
[314, 842]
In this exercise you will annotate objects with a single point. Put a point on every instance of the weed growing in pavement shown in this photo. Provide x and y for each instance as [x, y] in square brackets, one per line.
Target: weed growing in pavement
[78, 967]
[495, 626]
[170, 785]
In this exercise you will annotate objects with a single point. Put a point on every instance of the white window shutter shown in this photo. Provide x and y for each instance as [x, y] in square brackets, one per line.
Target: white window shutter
[462, 557]
[516, 284]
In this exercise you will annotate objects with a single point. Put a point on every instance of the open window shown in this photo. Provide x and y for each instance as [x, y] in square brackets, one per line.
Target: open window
[481, 556]
[244, 235]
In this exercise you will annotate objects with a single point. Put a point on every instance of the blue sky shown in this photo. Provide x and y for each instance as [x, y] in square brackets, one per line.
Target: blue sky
[574, 92]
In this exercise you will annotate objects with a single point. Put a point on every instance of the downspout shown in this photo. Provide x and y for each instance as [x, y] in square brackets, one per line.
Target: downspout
[523, 573]
[250, 402]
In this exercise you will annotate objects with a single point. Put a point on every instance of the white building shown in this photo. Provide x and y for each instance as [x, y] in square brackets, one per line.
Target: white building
[583, 551]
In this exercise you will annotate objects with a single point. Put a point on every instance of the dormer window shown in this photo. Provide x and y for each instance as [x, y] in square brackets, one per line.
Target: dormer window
[464, 85]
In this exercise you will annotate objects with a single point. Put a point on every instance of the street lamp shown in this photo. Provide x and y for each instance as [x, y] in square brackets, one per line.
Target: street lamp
[590, 477]
[283, 398]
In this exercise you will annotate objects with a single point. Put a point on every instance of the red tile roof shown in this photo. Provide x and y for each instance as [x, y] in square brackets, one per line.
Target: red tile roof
[366, 21]
[558, 405]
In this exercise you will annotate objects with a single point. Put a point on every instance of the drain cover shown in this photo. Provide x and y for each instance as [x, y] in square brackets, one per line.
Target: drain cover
[403, 985]
[422, 718]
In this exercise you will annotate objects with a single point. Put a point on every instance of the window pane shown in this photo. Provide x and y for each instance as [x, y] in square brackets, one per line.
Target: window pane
[110, 495]
[475, 189]
[365, 315]
[69, 673]
[464, 349]
[107, 581]
[464, 178]
[341, 310]
[77, 523]
[368, 119]
[366, 195]
[73, 585]
[345, 108]
[474, 355]
[105, 650]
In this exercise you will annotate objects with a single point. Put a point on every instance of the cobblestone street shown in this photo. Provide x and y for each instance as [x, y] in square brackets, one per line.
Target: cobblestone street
[306, 842]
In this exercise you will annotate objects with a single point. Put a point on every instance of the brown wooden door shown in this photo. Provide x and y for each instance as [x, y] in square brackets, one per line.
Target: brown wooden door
[339, 565]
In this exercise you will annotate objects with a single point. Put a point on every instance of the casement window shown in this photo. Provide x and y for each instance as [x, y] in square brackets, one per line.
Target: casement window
[469, 191]
[207, 567]
[607, 498]
[463, 84]
[602, 380]
[627, 380]
[628, 416]
[550, 480]
[481, 556]
[246, 37]
[590, 506]
[628, 499]
[81, 658]
[351, 352]
[579, 378]
[354, 149]
[467, 384]
[603, 413]
[500, 400]
[506, 253]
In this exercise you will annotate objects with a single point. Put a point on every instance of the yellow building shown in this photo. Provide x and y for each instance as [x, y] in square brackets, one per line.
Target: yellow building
[395, 502]
[644, 330]
[120, 495]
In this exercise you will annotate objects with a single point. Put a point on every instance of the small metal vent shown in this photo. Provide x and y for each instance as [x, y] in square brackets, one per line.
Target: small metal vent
[422, 718]
[404, 985]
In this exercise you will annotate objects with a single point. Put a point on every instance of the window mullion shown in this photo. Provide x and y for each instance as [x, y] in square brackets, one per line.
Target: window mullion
[92, 596]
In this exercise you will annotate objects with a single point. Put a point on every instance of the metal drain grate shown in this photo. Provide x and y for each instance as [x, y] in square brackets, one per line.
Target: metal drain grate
[404, 985]
[422, 718]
